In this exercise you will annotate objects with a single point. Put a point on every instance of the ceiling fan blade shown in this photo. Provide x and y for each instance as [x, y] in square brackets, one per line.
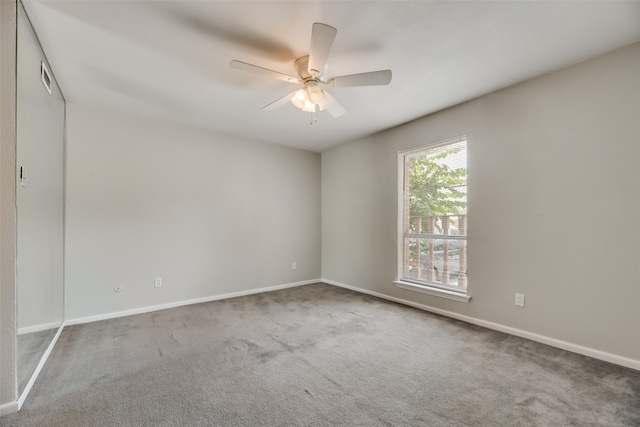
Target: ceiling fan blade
[280, 102]
[239, 65]
[373, 78]
[332, 106]
[322, 36]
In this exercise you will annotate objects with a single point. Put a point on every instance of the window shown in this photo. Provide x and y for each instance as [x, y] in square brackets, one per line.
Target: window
[433, 219]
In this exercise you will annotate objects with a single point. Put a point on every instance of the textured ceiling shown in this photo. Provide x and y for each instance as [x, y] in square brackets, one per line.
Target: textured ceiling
[170, 59]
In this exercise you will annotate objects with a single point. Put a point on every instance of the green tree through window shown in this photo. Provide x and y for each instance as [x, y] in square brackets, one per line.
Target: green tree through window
[434, 186]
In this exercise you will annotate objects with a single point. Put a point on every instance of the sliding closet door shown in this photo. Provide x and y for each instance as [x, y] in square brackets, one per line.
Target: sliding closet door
[40, 202]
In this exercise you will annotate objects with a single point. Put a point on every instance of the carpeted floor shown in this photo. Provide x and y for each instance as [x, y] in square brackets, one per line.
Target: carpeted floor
[318, 355]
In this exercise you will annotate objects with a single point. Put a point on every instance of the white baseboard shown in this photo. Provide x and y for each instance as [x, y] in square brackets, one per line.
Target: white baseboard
[564, 345]
[38, 328]
[8, 408]
[149, 309]
[35, 374]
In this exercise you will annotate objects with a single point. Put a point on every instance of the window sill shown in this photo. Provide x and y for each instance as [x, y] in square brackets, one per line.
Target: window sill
[442, 293]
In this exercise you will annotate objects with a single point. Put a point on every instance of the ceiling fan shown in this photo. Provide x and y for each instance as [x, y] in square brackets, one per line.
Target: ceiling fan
[310, 69]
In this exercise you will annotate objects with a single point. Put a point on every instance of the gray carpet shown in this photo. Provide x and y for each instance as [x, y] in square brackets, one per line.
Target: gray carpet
[313, 356]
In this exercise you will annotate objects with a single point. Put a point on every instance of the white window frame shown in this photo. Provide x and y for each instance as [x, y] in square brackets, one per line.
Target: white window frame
[460, 295]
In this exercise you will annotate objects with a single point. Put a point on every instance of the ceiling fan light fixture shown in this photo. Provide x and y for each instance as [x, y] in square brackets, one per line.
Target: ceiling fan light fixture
[303, 100]
[300, 98]
[309, 107]
[315, 94]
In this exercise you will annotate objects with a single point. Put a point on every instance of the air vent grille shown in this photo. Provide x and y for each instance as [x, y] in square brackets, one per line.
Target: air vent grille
[45, 76]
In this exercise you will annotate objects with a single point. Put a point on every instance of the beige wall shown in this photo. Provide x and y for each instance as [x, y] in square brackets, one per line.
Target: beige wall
[554, 202]
[210, 214]
[7, 206]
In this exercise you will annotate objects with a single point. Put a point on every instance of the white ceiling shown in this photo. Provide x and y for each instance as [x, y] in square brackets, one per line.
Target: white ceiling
[170, 59]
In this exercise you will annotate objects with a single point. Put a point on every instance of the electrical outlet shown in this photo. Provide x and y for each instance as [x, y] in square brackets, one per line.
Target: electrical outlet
[293, 266]
[118, 288]
[158, 282]
[520, 300]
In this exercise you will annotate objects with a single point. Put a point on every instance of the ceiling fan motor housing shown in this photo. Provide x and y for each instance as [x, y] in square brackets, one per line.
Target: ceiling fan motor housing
[302, 67]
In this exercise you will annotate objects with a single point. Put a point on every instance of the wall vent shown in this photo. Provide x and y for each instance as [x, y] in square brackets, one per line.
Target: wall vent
[45, 76]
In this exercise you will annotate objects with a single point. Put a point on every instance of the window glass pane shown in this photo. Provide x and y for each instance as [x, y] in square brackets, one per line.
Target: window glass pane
[437, 260]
